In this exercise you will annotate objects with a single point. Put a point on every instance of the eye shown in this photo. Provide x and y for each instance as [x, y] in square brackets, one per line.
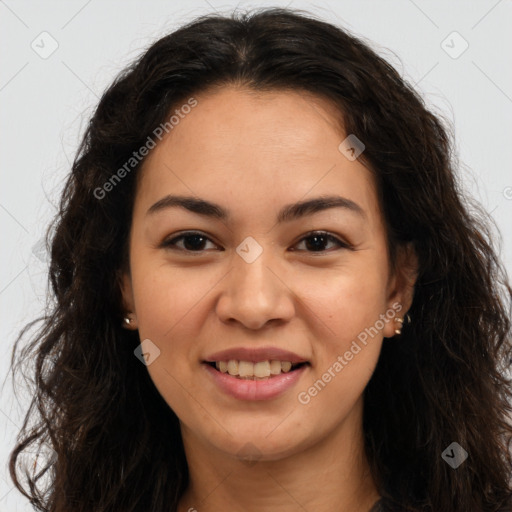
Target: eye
[319, 238]
[194, 241]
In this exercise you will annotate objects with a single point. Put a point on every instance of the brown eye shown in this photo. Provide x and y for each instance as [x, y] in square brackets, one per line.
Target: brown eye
[316, 241]
[192, 242]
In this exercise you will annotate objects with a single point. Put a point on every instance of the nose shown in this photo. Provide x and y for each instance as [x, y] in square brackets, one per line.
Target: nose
[254, 294]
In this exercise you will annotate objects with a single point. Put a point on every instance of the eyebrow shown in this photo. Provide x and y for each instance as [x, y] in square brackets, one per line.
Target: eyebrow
[288, 213]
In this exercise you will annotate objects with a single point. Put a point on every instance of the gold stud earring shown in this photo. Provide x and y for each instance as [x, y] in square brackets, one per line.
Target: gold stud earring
[400, 320]
[128, 321]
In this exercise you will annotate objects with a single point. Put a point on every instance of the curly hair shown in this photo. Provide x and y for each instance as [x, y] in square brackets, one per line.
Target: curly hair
[117, 444]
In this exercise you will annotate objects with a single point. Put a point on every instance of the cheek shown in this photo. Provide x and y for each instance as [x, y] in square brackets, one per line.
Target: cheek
[173, 308]
[168, 304]
[165, 297]
[346, 357]
[349, 303]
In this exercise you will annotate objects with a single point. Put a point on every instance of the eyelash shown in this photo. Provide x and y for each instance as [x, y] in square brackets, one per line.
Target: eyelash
[171, 243]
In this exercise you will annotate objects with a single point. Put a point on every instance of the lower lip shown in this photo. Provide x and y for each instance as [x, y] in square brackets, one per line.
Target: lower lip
[245, 389]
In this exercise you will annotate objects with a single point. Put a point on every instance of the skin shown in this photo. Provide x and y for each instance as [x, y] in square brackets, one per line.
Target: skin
[256, 152]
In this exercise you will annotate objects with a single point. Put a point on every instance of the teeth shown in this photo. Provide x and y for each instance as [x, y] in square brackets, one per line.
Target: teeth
[262, 369]
[285, 366]
[275, 367]
[254, 371]
[245, 369]
[232, 367]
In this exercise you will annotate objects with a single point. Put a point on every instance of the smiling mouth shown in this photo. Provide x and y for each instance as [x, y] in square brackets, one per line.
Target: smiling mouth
[261, 370]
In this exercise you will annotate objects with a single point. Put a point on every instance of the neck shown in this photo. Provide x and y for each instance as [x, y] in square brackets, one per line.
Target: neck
[330, 475]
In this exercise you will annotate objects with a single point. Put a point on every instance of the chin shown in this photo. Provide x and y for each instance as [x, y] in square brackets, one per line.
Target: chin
[260, 446]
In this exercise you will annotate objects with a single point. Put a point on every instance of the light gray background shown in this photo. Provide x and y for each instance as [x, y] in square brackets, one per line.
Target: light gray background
[46, 102]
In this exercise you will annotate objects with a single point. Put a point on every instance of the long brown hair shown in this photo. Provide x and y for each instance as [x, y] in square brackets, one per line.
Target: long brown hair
[117, 444]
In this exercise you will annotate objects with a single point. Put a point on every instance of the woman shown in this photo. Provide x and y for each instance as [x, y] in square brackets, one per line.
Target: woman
[269, 292]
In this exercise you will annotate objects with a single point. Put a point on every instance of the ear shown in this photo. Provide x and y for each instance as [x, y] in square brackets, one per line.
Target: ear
[127, 291]
[401, 286]
[128, 306]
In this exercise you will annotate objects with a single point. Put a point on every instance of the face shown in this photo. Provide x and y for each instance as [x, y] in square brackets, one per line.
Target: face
[265, 284]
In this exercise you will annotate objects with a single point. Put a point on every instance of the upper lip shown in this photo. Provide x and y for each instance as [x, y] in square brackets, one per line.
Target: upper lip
[255, 354]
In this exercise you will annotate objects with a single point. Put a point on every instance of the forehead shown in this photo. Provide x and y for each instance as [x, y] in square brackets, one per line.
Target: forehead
[258, 148]
[283, 122]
